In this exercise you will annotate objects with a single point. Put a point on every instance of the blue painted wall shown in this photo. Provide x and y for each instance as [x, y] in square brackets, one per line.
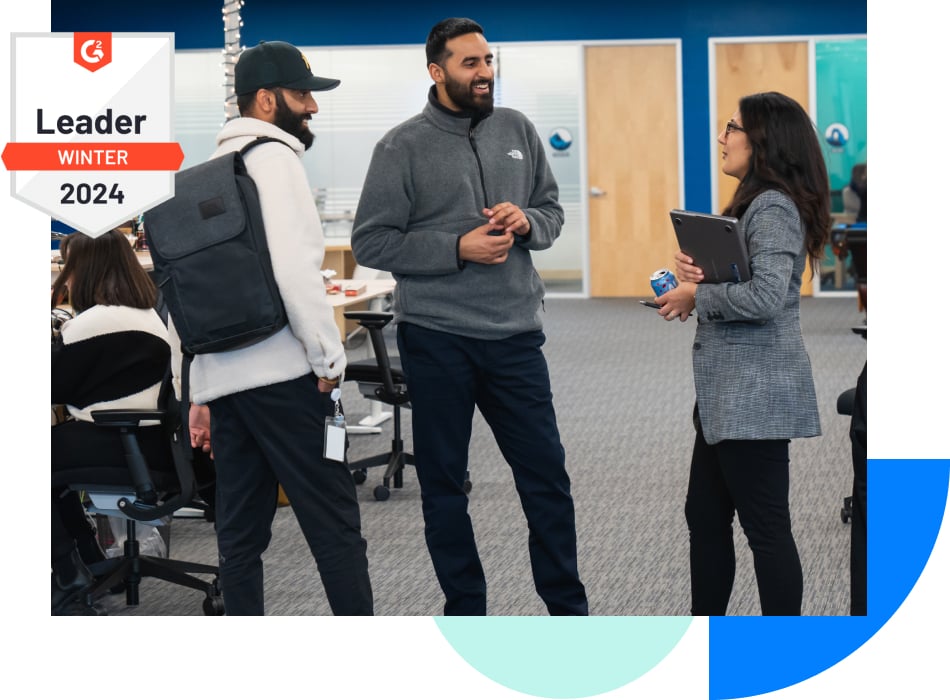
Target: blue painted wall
[197, 24]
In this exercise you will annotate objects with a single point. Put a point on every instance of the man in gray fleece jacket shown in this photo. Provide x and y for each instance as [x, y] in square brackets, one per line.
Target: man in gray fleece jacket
[454, 201]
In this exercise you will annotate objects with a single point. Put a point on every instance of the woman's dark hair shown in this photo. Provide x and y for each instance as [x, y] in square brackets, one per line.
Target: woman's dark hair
[786, 157]
[444, 31]
[102, 270]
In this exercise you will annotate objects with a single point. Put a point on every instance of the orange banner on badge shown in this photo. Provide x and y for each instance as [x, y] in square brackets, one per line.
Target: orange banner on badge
[93, 156]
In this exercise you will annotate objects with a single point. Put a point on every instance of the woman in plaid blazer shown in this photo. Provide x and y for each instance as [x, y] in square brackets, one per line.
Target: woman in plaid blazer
[754, 385]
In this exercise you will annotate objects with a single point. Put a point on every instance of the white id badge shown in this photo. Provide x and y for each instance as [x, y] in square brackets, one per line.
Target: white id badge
[334, 439]
[334, 434]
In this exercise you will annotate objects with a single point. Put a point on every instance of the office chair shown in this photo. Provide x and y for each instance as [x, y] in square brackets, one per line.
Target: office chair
[857, 243]
[381, 379]
[852, 239]
[845, 408]
[357, 337]
[204, 500]
[142, 493]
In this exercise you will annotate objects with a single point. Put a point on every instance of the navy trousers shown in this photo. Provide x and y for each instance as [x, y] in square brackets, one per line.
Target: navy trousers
[748, 477]
[447, 377]
[274, 435]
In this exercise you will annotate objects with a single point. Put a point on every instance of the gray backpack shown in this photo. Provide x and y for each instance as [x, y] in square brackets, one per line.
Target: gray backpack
[210, 257]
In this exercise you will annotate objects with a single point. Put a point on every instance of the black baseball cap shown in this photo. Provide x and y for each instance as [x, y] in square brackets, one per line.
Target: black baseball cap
[276, 64]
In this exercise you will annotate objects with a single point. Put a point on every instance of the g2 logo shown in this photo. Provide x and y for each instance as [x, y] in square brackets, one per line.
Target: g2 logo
[90, 54]
[92, 50]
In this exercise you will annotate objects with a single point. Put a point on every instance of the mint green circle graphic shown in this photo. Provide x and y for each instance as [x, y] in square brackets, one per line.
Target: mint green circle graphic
[541, 655]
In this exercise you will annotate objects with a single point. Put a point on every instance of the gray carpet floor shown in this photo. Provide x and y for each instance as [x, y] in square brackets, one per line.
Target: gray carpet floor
[623, 391]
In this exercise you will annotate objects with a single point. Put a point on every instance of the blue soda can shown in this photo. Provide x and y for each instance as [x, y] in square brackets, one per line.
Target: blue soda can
[663, 281]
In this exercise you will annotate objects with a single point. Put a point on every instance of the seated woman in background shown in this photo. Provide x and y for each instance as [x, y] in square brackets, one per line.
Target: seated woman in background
[754, 384]
[112, 355]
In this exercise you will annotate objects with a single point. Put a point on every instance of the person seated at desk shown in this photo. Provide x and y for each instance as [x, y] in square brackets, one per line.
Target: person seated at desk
[113, 354]
[855, 193]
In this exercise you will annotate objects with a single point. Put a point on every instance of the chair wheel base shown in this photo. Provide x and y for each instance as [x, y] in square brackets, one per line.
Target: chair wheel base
[213, 605]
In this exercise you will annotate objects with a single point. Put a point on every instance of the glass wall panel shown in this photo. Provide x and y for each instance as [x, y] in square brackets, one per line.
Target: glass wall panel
[544, 82]
[383, 86]
[841, 89]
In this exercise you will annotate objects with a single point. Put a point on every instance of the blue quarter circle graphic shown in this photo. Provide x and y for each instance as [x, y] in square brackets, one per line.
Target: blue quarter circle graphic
[563, 657]
[906, 503]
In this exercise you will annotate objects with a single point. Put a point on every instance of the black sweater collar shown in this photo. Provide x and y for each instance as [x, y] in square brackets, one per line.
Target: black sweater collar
[471, 115]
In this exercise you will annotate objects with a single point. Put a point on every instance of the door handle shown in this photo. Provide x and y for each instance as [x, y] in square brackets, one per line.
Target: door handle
[597, 192]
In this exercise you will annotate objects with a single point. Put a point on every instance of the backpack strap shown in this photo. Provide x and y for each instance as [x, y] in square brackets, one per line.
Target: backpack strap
[185, 404]
[259, 140]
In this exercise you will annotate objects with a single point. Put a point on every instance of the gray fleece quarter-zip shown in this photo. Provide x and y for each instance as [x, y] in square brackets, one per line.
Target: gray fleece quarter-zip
[428, 181]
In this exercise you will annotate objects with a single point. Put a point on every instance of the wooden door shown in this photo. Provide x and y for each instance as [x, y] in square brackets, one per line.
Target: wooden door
[746, 68]
[743, 69]
[633, 164]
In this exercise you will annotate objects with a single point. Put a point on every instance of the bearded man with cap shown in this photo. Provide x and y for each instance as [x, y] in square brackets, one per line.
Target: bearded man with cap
[261, 410]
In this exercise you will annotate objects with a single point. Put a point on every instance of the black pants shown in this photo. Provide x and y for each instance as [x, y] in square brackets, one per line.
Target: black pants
[859, 498]
[69, 523]
[748, 477]
[270, 435]
[447, 377]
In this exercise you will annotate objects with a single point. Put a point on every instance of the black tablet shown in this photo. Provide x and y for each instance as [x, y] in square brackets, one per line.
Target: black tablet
[714, 243]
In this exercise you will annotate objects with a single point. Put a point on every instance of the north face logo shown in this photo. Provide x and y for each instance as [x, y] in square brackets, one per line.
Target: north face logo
[515, 153]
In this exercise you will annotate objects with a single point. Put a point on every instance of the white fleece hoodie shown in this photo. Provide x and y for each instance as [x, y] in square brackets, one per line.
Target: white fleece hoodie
[311, 340]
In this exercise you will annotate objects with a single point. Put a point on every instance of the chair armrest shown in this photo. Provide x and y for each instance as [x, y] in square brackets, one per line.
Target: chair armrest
[122, 418]
[144, 509]
[126, 422]
[374, 322]
[370, 319]
[846, 402]
[147, 511]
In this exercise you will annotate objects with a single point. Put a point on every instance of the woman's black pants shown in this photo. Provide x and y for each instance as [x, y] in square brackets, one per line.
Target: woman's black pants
[748, 477]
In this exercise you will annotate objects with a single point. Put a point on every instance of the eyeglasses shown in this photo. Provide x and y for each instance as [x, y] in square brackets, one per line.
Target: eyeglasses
[732, 126]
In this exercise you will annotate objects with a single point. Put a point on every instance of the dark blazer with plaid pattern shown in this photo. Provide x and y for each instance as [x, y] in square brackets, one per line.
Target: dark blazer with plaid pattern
[751, 370]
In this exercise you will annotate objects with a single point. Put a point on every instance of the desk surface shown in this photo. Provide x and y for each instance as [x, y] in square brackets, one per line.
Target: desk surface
[371, 290]
[145, 258]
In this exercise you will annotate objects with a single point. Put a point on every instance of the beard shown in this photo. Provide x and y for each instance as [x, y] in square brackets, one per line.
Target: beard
[465, 97]
[293, 123]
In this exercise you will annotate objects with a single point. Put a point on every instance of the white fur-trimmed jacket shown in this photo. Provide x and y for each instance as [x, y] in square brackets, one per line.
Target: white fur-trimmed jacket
[311, 340]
